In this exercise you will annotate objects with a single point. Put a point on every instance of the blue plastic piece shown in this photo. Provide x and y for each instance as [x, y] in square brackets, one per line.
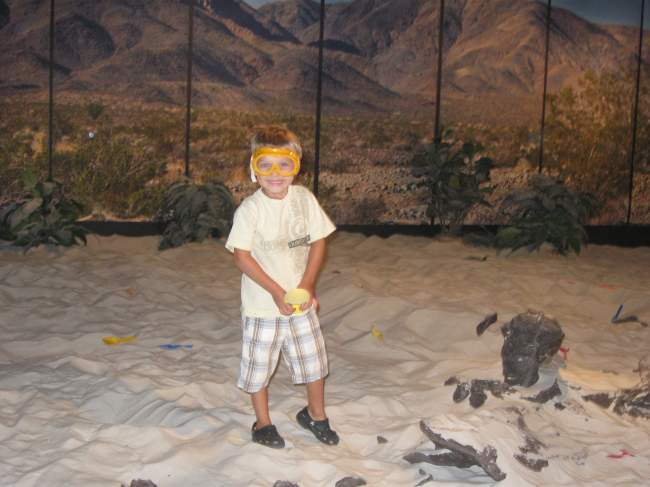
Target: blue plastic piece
[175, 346]
[618, 312]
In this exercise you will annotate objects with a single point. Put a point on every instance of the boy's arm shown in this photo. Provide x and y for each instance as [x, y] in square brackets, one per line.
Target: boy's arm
[314, 263]
[249, 266]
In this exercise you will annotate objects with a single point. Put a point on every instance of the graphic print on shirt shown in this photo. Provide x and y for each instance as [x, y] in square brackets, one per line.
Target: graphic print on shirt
[298, 243]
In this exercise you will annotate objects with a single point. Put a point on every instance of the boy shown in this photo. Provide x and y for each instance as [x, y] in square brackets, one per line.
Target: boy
[278, 241]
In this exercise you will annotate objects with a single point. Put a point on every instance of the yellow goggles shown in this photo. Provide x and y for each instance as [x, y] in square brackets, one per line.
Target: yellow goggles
[289, 165]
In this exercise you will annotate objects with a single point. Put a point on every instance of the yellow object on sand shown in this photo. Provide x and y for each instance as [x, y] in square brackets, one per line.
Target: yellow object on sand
[296, 298]
[112, 340]
[376, 332]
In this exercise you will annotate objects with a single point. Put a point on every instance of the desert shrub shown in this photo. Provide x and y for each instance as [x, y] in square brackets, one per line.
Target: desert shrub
[165, 132]
[588, 132]
[377, 136]
[16, 154]
[503, 143]
[191, 212]
[107, 173]
[95, 110]
[350, 211]
[45, 216]
[454, 174]
[546, 211]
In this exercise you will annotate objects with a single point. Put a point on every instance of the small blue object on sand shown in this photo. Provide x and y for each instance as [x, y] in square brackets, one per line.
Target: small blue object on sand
[617, 314]
[628, 319]
[175, 346]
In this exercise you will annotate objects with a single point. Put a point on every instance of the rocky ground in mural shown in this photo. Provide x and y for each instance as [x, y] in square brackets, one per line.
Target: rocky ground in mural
[117, 160]
[391, 195]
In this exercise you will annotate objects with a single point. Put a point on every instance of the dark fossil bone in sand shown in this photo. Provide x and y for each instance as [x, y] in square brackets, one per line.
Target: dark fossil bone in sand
[451, 381]
[476, 390]
[633, 402]
[485, 324]
[462, 456]
[461, 392]
[534, 464]
[603, 399]
[350, 482]
[532, 445]
[547, 394]
[529, 339]
[477, 395]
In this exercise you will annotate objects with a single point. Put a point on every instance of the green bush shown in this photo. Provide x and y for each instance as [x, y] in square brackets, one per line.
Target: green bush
[454, 177]
[191, 212]
[46, 216]
[546, 211]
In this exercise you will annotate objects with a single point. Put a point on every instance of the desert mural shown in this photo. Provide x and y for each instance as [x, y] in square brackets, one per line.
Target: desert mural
[120, 70]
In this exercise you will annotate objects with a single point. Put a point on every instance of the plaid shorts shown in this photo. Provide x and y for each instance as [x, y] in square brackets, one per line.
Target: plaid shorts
[299, 338]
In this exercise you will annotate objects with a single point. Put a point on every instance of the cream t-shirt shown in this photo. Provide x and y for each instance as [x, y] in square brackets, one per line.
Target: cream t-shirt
[278, 234]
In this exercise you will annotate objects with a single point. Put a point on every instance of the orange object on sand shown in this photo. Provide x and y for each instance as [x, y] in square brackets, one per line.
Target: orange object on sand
[113, 340]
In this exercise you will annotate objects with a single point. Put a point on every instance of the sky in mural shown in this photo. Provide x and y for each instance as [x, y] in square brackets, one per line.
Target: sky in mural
[625, 12]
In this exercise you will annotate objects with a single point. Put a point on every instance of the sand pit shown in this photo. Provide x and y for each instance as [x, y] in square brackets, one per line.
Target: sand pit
[75, 411]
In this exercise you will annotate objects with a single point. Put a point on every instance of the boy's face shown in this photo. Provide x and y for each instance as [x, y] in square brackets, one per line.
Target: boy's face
[274, 185]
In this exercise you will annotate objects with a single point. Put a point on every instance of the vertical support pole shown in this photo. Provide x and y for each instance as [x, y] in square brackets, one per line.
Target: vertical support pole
[635, 117]
[50, 131]
[188, 108]
[319, 97]
[436, 124]
[543, 122]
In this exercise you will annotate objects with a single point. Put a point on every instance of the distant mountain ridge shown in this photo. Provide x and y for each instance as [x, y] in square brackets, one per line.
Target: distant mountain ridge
[379, 54]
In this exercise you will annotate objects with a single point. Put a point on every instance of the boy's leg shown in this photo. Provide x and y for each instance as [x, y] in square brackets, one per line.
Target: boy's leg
[263, 431]
[260, 401]
[313, 417]
[304, 351]
[260, 350]
[316, 399]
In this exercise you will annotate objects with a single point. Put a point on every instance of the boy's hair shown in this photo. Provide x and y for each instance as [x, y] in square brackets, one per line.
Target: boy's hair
[275, 136]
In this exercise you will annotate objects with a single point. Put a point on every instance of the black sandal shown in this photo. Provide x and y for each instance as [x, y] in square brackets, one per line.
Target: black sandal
[267, 436]
[320, 428]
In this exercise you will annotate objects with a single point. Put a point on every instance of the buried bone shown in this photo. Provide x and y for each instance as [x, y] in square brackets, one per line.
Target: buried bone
[485, 324]
[476, 390]
[529, 339]
[350, 482]
[547, 394]
[462, 456]
[634, 401]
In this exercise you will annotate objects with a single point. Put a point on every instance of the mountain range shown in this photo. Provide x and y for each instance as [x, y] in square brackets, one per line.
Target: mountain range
[379, 55]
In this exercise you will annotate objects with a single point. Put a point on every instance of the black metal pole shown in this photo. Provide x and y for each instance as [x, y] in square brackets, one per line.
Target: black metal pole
[635, 117]
[436, 125]
[188, 108]
[50, 132]
[543, 123]
[319, 97]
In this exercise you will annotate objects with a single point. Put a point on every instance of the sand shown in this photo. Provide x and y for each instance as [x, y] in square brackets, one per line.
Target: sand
[77, 412]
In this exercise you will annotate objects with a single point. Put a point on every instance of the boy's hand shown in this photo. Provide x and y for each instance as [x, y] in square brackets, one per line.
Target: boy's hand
[285, 308]
[312, 297]
[312, 302]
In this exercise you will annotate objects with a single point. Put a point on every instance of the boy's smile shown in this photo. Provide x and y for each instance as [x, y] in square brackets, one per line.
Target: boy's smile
[274, 186]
